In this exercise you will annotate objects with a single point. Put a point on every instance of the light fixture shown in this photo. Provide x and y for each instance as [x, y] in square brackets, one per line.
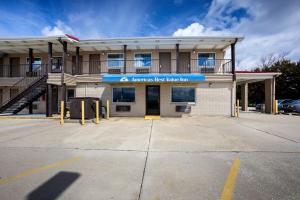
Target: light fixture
[194, 51]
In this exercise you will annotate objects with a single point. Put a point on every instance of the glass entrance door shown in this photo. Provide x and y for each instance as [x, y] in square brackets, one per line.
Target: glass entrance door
[153, 100]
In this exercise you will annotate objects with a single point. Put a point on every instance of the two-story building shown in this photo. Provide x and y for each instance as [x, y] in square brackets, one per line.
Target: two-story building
[166, 76]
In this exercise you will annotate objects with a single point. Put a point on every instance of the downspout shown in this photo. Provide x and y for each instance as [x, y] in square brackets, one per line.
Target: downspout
[233, 91]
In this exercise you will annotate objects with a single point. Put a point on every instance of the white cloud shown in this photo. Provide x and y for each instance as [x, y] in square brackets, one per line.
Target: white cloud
[196, 29]
[269, 27]
[60, 28]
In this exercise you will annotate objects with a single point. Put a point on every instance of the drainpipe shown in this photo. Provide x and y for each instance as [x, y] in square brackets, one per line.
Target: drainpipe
[177, 57]
[63, 67]
[125, 57]
[233, 91]
[49, 87]
[30, 74]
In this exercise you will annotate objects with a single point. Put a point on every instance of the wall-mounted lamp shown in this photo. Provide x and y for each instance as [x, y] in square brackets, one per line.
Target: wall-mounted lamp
[194, 51]
[103, 53]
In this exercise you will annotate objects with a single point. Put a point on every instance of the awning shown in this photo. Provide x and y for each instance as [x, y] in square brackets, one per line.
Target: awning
[152, 78]
[251, 77]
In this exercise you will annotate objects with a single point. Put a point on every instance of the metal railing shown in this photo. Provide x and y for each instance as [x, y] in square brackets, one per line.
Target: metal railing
[121, 66]
[27, 79]
[216, 66]
[22, 70]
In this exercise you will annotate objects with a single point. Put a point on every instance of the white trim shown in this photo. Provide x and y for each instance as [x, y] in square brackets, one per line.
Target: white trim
[142, 53]
[112, 94]
[186, 102]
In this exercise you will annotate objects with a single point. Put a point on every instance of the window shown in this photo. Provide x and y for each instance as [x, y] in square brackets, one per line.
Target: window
[183, 94]
[115, 60]
[36, 63]
[124, 94]
[206, 59]
[56, 63]
[70, 94]
[142, 60]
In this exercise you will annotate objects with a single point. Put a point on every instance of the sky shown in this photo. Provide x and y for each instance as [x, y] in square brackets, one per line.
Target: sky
[269, 26]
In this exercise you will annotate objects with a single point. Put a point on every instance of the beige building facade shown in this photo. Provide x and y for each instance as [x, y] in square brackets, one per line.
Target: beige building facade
[168, 76]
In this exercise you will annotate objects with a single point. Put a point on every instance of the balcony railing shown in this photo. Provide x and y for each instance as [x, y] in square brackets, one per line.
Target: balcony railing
[121, 66]
[117, 66]
[22, 70]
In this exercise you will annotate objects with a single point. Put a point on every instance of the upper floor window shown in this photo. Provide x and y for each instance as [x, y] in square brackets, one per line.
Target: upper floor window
[56, 63]
[142, 60]
[36, 63]
[206, 59]
[115, 60]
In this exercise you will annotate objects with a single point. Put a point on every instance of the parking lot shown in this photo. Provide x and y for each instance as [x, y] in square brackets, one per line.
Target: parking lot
[256, 156]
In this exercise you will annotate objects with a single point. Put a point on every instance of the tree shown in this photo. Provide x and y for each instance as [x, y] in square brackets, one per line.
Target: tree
[287, 84]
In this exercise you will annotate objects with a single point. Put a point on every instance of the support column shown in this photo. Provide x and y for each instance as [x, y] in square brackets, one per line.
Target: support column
[244, 88]
[77, 71]
[30, 55]
[125, 57]
[49, 110]
[269, 95]
[177, 57]
[64, 66]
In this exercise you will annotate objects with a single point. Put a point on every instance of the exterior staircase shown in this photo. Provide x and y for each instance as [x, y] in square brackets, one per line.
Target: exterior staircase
[31, 88]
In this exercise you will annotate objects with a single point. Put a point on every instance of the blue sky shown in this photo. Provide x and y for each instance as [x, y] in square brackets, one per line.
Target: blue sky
[109, 18]
[269, 27]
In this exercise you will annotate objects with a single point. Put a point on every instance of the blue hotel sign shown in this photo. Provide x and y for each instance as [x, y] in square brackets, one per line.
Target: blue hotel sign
[150, 78]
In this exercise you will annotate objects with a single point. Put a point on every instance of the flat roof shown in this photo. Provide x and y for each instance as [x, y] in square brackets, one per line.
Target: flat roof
[251, 77]
[40, 44]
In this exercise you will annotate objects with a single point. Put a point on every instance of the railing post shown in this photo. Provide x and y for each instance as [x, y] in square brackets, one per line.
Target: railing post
[97, 112]
[82, 112]
[62, 115]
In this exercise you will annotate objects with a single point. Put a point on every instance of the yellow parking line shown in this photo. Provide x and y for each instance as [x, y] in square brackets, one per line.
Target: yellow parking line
[38, 170]
[230, 182]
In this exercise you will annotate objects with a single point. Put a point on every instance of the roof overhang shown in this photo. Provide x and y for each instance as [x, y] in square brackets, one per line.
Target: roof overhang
[251, 77]
[38, 44]
[190, 42]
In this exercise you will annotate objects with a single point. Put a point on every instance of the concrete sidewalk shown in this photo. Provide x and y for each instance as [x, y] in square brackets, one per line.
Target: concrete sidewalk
[133, 158]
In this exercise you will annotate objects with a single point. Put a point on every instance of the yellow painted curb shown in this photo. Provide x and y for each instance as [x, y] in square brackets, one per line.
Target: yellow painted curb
[152, 117]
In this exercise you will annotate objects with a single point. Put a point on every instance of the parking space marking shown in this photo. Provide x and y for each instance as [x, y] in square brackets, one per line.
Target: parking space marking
[230, 181]
[38, 170]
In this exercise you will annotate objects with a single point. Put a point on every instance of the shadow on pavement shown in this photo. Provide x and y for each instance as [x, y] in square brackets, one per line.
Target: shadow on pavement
[54, 187]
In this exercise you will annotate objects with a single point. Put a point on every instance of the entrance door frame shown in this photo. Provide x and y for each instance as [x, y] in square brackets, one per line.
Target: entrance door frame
[147, 86]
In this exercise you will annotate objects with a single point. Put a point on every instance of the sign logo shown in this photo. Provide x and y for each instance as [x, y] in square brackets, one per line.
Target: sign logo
[124, 79]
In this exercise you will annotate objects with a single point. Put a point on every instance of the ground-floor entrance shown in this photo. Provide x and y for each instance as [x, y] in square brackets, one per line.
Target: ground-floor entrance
[152, 100]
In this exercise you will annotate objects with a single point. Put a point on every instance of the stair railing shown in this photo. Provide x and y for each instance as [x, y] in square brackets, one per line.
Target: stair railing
[28, 79]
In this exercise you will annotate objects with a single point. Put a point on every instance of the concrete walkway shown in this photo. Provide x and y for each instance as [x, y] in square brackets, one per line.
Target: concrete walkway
[133, 158]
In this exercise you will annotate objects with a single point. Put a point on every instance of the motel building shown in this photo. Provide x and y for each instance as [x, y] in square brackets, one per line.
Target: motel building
[163, 76]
